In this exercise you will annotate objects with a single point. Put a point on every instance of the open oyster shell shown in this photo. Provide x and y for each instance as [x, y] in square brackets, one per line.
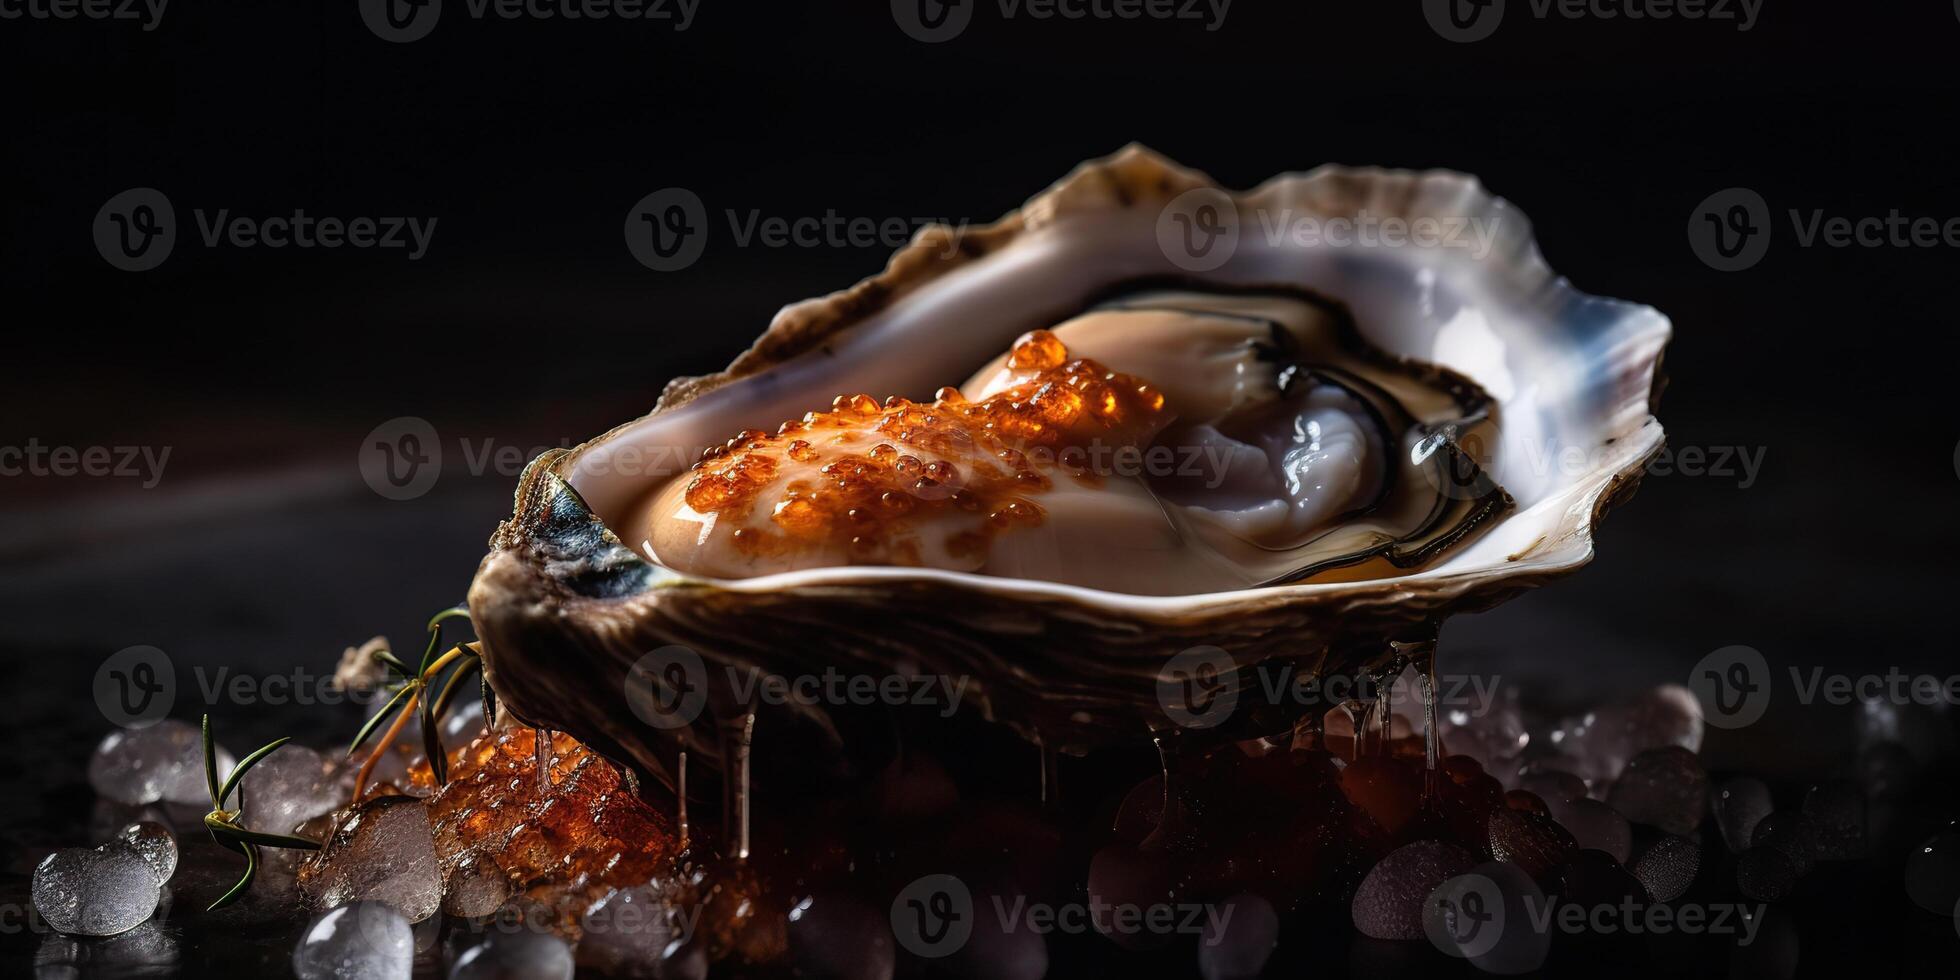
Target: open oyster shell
[566, 609]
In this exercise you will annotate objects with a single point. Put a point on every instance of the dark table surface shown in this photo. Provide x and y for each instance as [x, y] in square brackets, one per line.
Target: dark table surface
[529, 325]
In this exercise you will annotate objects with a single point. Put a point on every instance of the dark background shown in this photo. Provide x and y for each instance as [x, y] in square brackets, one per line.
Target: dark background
[530, 324]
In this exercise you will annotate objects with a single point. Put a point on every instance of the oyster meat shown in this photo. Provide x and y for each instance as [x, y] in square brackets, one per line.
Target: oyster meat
[1165, 442]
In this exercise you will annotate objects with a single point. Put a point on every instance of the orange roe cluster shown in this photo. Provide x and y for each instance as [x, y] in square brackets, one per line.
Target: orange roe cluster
[565, 846]
[880, 466]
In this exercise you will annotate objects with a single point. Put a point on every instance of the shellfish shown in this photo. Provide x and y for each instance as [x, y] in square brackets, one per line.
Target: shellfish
[1473, 415]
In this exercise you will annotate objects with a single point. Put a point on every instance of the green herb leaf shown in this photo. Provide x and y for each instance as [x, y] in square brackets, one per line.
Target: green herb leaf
[253, 837]
[238, 891]
[211, 765]
[380, 716]
[453, 612]
[392, 662]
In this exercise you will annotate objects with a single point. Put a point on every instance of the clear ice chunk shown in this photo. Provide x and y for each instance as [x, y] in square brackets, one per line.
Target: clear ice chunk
[361, 941]
[98, 891]
[288, 788]
[1389, 903]
[155, 844]
[383, 852]
[523, 955]
[162, 762]
[1597, 745]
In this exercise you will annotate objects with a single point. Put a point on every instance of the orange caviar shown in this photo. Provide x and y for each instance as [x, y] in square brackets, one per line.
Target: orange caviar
[875, 468]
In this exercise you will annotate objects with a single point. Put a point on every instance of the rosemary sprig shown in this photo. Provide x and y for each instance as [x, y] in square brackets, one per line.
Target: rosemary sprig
[223, 824]
[413, 696]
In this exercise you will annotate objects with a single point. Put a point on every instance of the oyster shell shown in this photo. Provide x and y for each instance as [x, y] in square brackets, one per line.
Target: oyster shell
[566, 607]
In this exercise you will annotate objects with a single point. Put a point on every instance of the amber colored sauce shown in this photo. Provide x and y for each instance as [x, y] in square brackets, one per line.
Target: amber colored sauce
[872, 482]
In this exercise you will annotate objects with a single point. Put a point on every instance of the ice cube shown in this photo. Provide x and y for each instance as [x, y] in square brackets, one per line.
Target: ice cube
[1665, 788]
[362, 941]
[1487, 916]
[1533, 842]
[286, 789]
[1667, 866]
[155, 844]
[162, 762]
[1766, 874]
[1740, 803]
[520, 955]
[1597, 745]
[1237, 946]
[97, 891]
[1792, 832]
[628, 932]
[840, 938]
[476, 887]
[1838, 809]
[384, 851]
[1389, 903]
